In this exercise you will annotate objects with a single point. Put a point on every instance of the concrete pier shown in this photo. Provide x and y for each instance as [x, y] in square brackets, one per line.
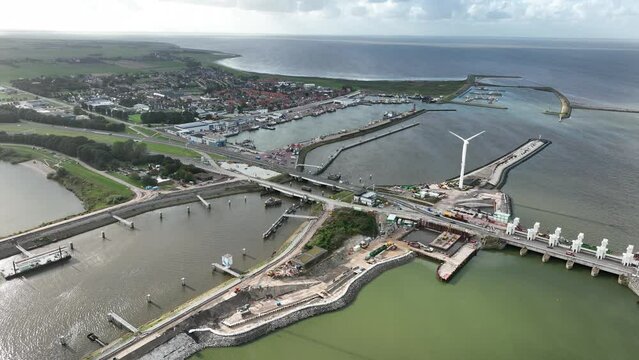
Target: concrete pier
[493, 174]
[204, 202]
[118, 320]
[570, 264]
[24, 251]
[128, 223]
[545, 258]
[523, 251]
[229, 271]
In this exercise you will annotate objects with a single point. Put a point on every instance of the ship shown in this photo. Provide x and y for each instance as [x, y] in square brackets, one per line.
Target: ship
[268, 127]
[272, 202]
[232, 132]
[254, 128]
[334, 177]
[34, 262]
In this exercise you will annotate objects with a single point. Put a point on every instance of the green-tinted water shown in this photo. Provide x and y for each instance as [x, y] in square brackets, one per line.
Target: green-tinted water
[500, 306]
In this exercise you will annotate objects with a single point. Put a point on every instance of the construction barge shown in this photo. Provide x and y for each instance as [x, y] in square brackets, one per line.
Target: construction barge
[36, 262]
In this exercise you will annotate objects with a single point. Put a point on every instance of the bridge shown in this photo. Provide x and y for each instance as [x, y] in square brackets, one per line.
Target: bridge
[548, 247]
[118, 320]
[204, 202]
[24, 251]
[227, 270]
[128, 223]
[584, 257]
[308, 165]
[307, 217]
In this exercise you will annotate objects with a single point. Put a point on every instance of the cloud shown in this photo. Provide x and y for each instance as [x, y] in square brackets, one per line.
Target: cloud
[287, 6]
[426, 10]
[570, 18]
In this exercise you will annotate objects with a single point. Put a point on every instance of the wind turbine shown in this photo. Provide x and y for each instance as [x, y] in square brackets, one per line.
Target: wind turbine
[463, 160]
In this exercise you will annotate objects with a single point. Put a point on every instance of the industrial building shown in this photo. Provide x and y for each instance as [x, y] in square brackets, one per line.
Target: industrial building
[368, 198]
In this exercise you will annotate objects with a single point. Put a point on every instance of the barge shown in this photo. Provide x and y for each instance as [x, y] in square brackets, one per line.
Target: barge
[36, 262]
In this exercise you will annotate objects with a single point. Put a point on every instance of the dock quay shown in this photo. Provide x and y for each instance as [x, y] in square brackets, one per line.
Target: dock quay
[119, 321]
[493, 175]
[204, 202]
[334, 156]
[284, 217]
[355, 133]
[128, 223]
[35, 261]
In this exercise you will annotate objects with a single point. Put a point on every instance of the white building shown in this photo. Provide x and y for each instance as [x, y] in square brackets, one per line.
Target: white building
[141, 108]
[195, 127]
[367, 198]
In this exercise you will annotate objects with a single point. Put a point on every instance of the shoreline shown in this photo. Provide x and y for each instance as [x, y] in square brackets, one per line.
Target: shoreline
[38, 166]
[179, 345]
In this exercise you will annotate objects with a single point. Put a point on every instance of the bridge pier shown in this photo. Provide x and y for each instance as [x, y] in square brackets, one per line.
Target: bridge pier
[623, 279]
[523, 251]
[594, 272]
[570, 264]
[545, 258]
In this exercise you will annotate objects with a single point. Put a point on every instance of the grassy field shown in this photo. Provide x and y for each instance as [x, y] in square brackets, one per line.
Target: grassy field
[444, 88]
[35, 128]
[29, 58]
[135, 118]
[93, 189]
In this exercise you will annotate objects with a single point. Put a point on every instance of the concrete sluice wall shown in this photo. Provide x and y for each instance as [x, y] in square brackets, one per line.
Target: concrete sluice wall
[90, 222]
[177, 344]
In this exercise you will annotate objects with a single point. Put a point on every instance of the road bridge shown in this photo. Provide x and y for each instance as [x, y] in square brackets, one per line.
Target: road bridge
[300, 216]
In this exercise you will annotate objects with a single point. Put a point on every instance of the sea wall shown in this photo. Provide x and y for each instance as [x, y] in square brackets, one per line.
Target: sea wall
[301, 157]
[178, 345]
[43, 236]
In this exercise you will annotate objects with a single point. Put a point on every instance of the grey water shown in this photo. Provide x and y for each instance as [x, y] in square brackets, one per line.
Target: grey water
[116, 273]
[591, 71]
[28, 199]
[310, 127]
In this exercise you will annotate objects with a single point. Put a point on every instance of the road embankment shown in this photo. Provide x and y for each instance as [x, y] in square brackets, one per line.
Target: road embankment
[65, 229]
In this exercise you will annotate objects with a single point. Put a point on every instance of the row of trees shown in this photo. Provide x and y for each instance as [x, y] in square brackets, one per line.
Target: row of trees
[12, 114]
[103, 156]
[8, 116]
[159, 117]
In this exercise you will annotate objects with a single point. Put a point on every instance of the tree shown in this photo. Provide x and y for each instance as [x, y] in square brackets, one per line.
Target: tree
[147, 180]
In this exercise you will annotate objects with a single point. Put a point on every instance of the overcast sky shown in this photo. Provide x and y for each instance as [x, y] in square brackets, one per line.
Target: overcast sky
[531, 18]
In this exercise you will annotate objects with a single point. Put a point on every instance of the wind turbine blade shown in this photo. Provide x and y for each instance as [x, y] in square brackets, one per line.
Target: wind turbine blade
[476, 135]
[460, 138]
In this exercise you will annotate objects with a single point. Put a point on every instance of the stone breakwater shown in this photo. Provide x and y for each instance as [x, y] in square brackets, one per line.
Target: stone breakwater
[181, 346]
[63, 230]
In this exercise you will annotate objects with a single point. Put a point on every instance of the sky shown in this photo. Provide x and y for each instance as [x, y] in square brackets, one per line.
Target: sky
[528, 18]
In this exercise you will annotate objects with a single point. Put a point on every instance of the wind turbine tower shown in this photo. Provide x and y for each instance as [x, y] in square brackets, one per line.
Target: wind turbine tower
[463, 159]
